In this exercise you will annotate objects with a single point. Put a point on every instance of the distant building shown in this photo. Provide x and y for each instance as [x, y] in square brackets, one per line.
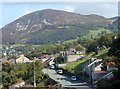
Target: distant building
[23, 59]
[17, 85]
[111, 66]
[45, 58]
[7, 61]
[73, 56]
[46, 55]
[51, 62]
[28, 86]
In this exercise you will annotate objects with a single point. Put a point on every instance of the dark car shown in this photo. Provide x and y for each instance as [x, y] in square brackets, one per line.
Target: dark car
[73, 78]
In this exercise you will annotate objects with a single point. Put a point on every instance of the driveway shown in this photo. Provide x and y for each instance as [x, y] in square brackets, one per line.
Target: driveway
[65, 80]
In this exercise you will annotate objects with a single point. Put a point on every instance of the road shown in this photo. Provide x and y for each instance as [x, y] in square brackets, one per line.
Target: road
[65, 80]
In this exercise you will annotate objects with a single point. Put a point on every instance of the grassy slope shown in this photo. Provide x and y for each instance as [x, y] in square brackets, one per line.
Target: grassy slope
[95, 33]
[76, 67]
[70, 41]
[102, 54]
[17, 45]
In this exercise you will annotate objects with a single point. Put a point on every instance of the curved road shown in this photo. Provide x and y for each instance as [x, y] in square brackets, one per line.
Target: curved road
[65, 80]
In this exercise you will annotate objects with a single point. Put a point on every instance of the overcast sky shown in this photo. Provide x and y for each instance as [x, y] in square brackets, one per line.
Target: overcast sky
[12, 11]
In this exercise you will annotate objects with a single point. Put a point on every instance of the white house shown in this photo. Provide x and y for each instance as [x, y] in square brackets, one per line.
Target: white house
[17, 85]
[23, 59]
[73, 56]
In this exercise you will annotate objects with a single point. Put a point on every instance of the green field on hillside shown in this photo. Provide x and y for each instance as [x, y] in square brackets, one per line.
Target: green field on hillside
[70, 41]
[18, 45]
[76, 67]
[96, 33]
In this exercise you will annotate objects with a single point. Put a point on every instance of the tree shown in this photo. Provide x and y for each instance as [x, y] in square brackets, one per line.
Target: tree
[113, 59]
[106, 40]
[85, 41]
[30, 74]
[60, 47]
[50, 49]
[79, 48]
[115, 48]
[104, 84]
[59, 59]
[92, 48]
[6, 79]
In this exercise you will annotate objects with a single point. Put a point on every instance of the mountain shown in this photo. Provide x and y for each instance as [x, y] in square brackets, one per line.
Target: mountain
[115, 26]
[50, 26]
[113, 19]
[116, 23]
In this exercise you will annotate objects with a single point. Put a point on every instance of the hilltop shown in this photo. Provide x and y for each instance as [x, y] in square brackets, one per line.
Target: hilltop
[50, 26]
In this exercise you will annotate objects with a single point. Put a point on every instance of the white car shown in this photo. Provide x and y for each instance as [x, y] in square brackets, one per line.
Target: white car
[60, 71]
[73, 78]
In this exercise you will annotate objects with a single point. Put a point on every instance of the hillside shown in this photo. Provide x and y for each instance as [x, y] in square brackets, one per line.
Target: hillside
[114, 18]
[97, 33]
[50, 26]
[116, 24]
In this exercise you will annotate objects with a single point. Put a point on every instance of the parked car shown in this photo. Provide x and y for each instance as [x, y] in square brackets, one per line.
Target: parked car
[60, 71]
[73, 78]
[52, 67]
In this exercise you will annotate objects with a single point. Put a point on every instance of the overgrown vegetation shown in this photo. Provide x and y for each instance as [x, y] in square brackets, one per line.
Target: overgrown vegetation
[14, 73]
[113, 57]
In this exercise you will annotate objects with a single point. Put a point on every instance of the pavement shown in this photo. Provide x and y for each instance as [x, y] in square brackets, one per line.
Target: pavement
[65, 80]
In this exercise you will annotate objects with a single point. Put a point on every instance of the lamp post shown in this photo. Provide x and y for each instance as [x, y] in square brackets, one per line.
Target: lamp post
[34, 74]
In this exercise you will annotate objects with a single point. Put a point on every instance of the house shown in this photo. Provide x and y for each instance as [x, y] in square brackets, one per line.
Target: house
[51, 62]
[23, 59]
[97, 75]
[44, 59]
[111, 66]
[45, 55]
[93, 69]
[17, 85]
[73, 56]
[28, 86]
[11, 61]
